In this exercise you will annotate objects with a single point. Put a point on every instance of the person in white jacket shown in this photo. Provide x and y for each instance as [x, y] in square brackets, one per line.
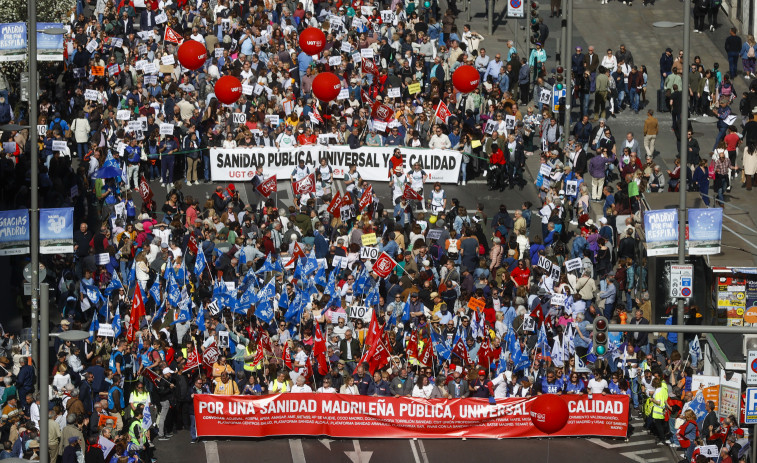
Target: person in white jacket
[439, 140]
[80, 127]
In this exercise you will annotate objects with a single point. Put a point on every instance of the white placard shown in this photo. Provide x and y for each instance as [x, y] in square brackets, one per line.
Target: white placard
[60, 145]
[709, 451]
[362, 312]
[167, 60]
[272, 119]
[123, 114]
[369, 252]
[544, 263]
[258, 89]
[366, 53]
[343, 94]
[510, 122]
[545, 96]
[380, 126]
[394, 92]
[114, 69]
[91, 95]
[356, 58]
[150, 68]
[213, 308]
[247, 89]
[335, 60]
[142, 49]
[339, 261]
[161, 18]
[346, 47]
[239, 118]
[558, 299]
[106, 331]
[102, 258]
[151, 80]
[545, 170]
[367, 10]
[92, 46]
[166, 129]
[571, 187]
[218, 52]
[140, 65]
[387, 16]
[573, 264]
[133, 126]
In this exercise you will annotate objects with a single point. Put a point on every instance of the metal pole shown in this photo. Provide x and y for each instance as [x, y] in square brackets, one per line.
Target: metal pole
[698, 329]
[568, 71]
[34, 209]
[44, 371]
[527, 46]
[754, 444]
[563, 35]
[490, 16]
[683, 151]
[468, 6]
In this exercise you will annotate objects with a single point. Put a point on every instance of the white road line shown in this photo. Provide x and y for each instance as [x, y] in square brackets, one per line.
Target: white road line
[636, 456]
[358, 455]
[415, 452]
[422, 448]
[211, 452]
[298, 453]
[606, 445]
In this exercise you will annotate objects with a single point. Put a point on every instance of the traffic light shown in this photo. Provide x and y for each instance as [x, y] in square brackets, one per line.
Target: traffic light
[600, 336]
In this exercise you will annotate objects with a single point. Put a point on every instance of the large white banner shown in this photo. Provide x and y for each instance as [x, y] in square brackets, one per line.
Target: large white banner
[372, 163]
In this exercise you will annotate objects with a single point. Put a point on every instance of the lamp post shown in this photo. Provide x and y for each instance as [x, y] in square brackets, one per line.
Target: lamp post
[684, 149]
[31, 9]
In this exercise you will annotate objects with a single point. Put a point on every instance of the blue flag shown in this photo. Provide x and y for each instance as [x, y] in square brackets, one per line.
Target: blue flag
[502, 367]
[698, 407]
[543, 342]
[116, 324]
[270, 266]
[520, 358]
[406, 311]
[373, 296]
[155, 291]
[294, 313]
[200, 263]
[94, 327]
[221, 294]
[184, 314]
[201, 320]
[320, 277]
[160, 314]
[114, 284]
[284, 299]
[442, 351]
[174, 293]
[92, 293]
[264, 311]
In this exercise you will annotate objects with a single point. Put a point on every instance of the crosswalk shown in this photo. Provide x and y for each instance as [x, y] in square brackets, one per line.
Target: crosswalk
[640, 447]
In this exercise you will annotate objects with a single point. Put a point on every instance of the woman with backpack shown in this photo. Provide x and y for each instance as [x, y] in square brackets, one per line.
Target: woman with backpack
[749, 56]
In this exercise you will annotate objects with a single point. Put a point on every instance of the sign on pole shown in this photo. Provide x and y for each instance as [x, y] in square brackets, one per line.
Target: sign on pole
[751, 368]
[681, 280]
[750, 406]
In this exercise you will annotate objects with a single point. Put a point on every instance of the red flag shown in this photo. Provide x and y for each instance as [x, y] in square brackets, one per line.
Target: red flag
[287, 356]
[192, 245]
[172, 36]
[298, 252]
[380, 357]
[308, 369]
[323, 365]
[259, 353]
[151, 375]
[486, 352]
[461, 350]
[365, 97]
[424, 358]
[319, 342]
[268, 186]
[374, 331]
[347, 199]
[137, 312]
[442, 111]
[367, 198]
[265, 340]
[304, 185]
[538, 313]
[315, 116]
[144, 190]
[384, 265]
[369, 67]
[382, 112]
[193, 360]
[412, 346]
[210, 354]
[409, 193]
[335, 205]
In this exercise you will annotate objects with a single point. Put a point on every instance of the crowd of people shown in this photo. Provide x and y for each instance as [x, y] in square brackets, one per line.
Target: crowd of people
[480, 303]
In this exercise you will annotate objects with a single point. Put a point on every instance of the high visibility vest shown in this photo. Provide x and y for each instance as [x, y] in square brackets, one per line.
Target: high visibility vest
[111, 403]
[250, 366]
[136, 433]
[140, 397]
[660, 395]
[280, 387]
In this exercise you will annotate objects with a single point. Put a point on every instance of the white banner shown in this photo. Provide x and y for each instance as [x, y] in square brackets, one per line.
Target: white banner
[372, 163]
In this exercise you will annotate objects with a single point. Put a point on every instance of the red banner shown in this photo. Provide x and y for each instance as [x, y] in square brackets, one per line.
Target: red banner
[337, 415]
[305, 185]
[334, 205]
[384, 265]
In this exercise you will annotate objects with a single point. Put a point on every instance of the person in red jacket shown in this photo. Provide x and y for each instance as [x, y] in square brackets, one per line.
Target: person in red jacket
[497, 171]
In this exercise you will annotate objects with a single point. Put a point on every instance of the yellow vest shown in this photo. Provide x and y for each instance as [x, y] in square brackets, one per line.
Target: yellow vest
[250, 366]
[140, 397]
[660, 395]
[280, 387]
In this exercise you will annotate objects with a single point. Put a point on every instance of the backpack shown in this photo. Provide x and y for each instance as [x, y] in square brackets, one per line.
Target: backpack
[750, 52]
[58, 126]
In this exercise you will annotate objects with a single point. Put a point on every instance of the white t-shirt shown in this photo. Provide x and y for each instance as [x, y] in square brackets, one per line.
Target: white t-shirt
[326, 390]
[597, 387]
[304, 388]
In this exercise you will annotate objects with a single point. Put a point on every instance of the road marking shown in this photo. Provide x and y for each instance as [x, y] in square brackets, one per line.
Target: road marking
[635, 456]
[211, 452]
[298, 453]
[326, 443]
[358, 456]
[422, 448]
[606, 445]
[415, 452]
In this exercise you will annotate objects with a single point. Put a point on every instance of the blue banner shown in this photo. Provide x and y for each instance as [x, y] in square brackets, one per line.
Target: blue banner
[705, 230]
[56, 230]
[12, 41]
[49, 46]
[14, 232]
[661, 229]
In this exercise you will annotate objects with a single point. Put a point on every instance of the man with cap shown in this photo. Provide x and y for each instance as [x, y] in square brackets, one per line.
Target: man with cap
[458, 388]
[165, 390]
[481, 386]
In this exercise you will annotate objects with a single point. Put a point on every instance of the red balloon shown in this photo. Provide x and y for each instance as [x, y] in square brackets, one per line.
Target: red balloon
[326, 86]
[549, 413]
[228, 89]
[192, 54]
[312, 40]
[466, 78]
